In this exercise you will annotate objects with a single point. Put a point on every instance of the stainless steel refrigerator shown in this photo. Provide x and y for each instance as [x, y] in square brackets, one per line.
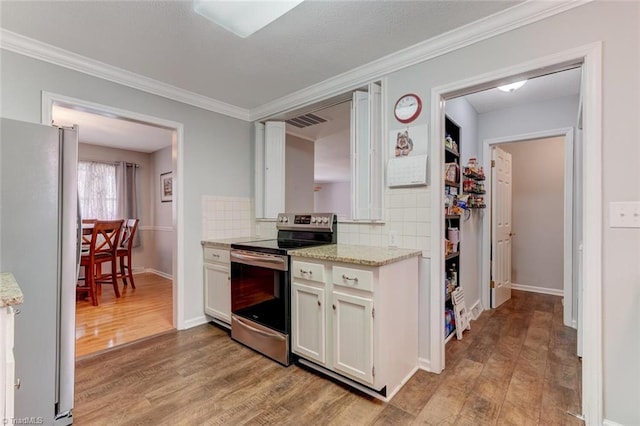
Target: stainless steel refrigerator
[38, 244]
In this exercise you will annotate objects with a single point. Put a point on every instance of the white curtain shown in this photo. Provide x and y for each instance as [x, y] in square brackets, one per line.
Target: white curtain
[97, 190]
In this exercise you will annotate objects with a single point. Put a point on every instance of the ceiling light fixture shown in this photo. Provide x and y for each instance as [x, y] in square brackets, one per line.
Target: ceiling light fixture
[243, 18]
[512, 87]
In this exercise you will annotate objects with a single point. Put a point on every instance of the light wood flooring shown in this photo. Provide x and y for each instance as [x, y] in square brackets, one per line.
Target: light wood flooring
[144, 311]
[515, 367]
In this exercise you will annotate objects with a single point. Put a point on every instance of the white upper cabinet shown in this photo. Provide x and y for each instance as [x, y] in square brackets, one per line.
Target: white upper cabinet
[366, 150]
[366, 136]
[270, 171]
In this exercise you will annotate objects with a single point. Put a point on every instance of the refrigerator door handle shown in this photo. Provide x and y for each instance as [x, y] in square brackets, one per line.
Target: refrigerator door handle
[68, 279]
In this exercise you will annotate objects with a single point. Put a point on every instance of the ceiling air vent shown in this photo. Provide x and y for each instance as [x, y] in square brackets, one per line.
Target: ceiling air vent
[305, 120]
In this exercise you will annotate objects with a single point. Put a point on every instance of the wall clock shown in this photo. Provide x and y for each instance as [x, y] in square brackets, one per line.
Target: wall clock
[407, 108]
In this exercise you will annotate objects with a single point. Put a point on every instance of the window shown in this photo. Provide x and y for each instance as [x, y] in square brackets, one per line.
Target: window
[97, 190]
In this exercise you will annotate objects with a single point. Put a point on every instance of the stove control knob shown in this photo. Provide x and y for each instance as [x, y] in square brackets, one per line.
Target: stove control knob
[325, 220]
[285, 219]
[313, 219]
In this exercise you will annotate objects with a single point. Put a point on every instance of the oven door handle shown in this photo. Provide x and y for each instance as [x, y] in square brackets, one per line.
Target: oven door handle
[258, 259]
[257, 330]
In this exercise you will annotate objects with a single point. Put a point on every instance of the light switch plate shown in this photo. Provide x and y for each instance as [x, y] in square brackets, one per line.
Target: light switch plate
[624, 214]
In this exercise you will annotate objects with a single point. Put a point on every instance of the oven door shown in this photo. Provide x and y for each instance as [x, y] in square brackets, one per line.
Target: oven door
[260, 315]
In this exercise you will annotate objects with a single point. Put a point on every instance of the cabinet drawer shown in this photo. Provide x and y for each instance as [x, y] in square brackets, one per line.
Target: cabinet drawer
[353, 278]
[308, 271]
[216, 255]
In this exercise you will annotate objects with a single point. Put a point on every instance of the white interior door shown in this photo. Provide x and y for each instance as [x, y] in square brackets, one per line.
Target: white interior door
[501, 227]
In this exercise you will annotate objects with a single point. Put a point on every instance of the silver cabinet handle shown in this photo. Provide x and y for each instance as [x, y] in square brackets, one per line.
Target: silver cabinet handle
[319, 304]
[347, 278]
[333, 306]
[302, 271]
[17, 384]
[17, 311]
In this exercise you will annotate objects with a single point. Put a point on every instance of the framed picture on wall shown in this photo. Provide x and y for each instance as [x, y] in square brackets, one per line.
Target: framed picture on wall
[166, 187]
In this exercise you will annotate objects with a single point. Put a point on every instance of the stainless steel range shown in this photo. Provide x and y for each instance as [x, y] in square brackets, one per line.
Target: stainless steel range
[260, 282]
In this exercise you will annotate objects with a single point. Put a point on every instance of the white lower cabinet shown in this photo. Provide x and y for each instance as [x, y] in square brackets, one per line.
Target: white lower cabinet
[359, 322]
[7, 363]
[353, 336]
[217, 284]
[308, 322]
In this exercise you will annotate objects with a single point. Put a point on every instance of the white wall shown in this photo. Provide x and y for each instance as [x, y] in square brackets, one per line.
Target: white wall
[465, 116]
[537, 255]
[334, 197]
[299, 166]
[217, 155]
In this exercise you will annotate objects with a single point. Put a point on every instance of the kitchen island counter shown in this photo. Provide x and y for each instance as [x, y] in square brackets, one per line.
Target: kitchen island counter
[355, 254]
[10, 293]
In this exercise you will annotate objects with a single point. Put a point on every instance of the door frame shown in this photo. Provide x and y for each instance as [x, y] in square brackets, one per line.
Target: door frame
[50, 99]
[568, 246]
[590, 58]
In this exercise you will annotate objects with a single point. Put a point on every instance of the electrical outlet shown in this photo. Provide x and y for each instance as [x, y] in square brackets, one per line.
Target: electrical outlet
[393, 238]
[624, 214]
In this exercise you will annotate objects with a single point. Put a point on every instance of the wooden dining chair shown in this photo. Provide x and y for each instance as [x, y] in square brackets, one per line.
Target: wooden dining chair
[124, 251]
[102, 248]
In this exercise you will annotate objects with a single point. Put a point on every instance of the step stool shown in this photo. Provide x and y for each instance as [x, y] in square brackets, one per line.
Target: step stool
[460, 312]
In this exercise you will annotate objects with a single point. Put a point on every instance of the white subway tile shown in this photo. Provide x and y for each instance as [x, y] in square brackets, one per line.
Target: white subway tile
[409, 228]
[423, 229]
[409, 200]
[409, 241]
[409, 214]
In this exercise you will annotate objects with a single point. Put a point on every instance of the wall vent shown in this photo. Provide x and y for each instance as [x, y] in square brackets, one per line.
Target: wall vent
[305, 120]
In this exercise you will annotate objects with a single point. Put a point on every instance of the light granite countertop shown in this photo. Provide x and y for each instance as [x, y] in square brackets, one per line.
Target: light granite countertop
[359, 255]
[226, 242]
[10, 293]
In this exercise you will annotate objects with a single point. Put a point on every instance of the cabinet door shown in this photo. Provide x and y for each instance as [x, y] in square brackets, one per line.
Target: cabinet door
[217, 291]
[353, 336]
[308, 322]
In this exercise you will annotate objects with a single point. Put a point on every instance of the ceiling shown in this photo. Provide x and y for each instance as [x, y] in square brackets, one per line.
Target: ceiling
[167, 41]
[114, 132]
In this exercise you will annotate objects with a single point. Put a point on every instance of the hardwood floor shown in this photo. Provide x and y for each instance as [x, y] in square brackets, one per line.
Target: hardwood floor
[144, 311]
[515, 367]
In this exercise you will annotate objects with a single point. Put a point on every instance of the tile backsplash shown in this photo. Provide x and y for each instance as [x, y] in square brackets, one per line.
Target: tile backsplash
[226, 217]
[407, 216]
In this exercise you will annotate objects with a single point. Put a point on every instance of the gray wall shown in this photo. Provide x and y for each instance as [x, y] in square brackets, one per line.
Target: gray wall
[299, 167]
[334, 197]
[142, 256]
[616, 25]
[217, 154]
[537, 255]
[162, 229]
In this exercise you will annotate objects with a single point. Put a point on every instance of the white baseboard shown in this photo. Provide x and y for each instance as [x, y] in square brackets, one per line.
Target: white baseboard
[476, 309]
[606, 422]
[159, 273]
[424, 364]
[534, 289]
[194, 322]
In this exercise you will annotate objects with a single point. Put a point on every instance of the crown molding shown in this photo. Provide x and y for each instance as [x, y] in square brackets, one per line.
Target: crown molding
[45, 52]
[507, 20]
[515, 17]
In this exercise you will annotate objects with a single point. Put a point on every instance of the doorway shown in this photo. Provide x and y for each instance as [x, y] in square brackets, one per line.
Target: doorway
[590, 58]
[112, 136]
